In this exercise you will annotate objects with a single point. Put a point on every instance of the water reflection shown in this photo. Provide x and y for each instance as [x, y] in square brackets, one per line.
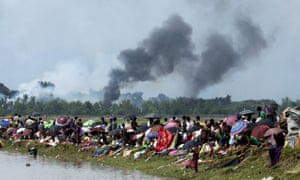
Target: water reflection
[26, 167]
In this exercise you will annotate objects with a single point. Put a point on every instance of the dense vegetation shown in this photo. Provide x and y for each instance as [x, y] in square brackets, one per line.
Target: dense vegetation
[167, 106]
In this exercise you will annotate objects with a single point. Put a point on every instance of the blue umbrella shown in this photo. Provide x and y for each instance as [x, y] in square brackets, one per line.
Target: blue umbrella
[238, 127]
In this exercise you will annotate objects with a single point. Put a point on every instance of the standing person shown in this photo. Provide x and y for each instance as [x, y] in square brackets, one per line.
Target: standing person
[184, 124]
[275, 150]
[78, 132]
[189, 123]
[194, 163]
[114, 124]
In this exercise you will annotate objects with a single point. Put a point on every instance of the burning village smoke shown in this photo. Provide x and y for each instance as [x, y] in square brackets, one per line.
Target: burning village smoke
[171, 46]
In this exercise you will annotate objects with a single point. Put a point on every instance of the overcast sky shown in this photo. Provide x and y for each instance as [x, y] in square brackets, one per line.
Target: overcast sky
[75, 44]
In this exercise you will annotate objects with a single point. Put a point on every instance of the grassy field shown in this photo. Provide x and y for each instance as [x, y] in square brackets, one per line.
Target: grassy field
[255, 165]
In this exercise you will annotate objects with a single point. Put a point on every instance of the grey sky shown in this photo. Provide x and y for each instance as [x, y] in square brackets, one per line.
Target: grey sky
[75, 44]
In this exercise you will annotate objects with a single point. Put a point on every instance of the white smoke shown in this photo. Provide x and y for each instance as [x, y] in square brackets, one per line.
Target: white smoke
[73, 80]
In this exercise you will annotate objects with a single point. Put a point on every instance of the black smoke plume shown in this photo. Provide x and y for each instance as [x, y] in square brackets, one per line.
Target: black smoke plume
[156, 56]
[170, 46]
[6, 91]
[220, 56]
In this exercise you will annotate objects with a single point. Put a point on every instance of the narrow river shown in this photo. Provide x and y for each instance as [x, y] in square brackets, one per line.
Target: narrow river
[16, 166]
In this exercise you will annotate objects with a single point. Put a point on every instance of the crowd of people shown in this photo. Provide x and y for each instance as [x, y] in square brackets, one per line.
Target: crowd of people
[162, 135]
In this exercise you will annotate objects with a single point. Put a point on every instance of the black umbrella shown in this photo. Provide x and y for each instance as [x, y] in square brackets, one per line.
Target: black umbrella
[142, 128]
[115, 132]
[172, 129]
[267, 122]
[53, 130]
[191, 144]
[193, 128]
[152, 116]
[36, 114]
[246, 112]
[129, 116]
[251, 125]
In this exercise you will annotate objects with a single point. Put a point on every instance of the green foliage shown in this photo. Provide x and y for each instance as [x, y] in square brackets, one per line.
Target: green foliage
[26, 105]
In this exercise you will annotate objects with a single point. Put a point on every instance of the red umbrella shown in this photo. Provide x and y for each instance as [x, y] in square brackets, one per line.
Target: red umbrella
[62, 121]
[230, 120]
[259, 131]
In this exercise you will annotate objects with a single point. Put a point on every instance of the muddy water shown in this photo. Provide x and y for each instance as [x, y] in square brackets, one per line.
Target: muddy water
[16, 166]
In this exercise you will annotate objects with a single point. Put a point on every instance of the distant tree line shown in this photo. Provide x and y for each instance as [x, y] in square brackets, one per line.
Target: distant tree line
[179, 106]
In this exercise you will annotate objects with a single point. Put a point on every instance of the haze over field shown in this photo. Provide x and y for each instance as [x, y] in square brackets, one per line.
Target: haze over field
[194, 48]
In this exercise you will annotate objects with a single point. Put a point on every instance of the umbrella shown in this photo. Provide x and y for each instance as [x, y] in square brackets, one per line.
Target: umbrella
[36, 114]
[97, 129]
[269, 135]
[238, 127]
[272, 131]
[54, 129]
[259, 131]
[142, 128]
[115, 132]
[251, 125]
[230, 120]
[48, 124]
[246, 112]
[62, 121]
[151, 134]
[171, 124]
[172, 129]
[191, 144]
[193, 128]
[89, 123]
[5, 123]
[152, 116]
[129, 116]
[267, 122]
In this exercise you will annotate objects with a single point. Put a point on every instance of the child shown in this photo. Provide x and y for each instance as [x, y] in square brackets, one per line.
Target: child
[194, 163]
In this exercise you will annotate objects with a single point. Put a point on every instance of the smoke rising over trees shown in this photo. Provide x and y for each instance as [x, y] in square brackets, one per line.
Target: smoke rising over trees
[169, 49]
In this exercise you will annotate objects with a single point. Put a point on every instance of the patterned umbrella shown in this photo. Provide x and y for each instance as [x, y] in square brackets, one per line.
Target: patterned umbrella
[238, 127]
[171, 124]
[230, 120]
[62, 121]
